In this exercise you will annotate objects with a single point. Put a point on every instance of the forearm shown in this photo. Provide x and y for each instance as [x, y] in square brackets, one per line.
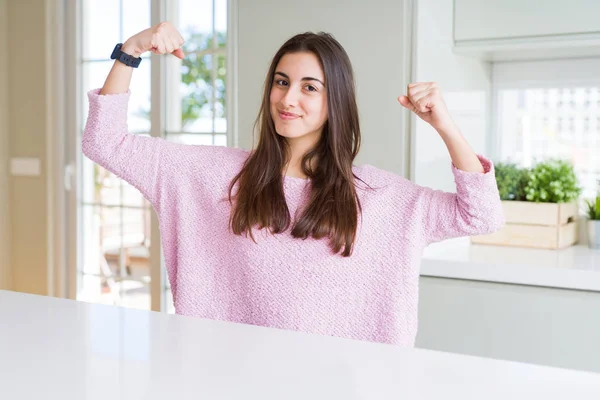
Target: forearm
[119, 78]
[463, 157]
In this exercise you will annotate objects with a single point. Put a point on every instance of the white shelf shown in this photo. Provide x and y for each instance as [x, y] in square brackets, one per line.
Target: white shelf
[531, 48]
[576, 267]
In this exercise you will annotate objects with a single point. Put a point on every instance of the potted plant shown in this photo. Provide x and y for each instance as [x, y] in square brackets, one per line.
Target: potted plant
[540, 205]
[593, 223]
[511, 181]
[552, 181]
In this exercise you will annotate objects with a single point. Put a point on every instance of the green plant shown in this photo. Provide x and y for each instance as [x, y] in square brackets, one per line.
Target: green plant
[593, 211]
[552, 181]
[511, 181]
[196, 77]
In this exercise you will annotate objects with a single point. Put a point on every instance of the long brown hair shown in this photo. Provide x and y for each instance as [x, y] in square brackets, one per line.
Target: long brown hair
[333, 207]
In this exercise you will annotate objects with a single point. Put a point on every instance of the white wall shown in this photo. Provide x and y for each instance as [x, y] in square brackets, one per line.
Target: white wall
[465, 84]
[374, 44]
[546, 326]
[4, 216]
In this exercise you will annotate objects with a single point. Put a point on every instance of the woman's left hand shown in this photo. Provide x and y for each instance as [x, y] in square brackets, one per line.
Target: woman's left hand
[425, 100]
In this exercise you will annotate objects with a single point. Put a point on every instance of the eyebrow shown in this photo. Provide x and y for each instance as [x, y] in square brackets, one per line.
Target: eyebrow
[306, 78]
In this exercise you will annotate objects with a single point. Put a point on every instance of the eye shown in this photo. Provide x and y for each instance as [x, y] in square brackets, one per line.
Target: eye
[311, 88]
[281, 82]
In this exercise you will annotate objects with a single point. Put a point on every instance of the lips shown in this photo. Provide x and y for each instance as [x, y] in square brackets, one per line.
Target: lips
[287, 115]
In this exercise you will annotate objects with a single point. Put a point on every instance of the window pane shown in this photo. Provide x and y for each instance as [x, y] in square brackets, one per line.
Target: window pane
[562, 122]
[195, 16]
[136, 17]
[196, 94]
[138, 116]
[108, 187]
[220, 105]
[90, 192]
[136, 233]
[101, 28]
[221, 21]
[90, 241]
[220, 140]
[114, 237]
[132, 197]
[169, 300]
[99, 185]
[93, 77]
[102, 290]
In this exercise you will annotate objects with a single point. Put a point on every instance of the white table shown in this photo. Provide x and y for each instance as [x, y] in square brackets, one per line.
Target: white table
[62, 349]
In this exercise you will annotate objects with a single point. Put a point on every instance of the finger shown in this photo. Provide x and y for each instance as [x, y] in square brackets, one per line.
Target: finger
[416, 87]
[160, 46]
[417, 97]
[422, 106]
[157, 44]
[169, 46]
[154, 44]
[174, 44]
[423, 101]
[179, 53]
[406, 103]
[416, 90]
[417, 84]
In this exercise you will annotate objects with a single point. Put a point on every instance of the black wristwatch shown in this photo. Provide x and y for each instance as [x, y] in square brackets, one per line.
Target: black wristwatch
[125, 58]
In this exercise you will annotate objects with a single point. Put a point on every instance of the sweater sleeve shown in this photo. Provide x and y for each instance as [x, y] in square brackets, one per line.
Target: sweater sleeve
[107, 141]
[474, 209]
[158, 168]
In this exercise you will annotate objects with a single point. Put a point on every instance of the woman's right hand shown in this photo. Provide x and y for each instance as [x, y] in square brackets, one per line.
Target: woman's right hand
[162, 38]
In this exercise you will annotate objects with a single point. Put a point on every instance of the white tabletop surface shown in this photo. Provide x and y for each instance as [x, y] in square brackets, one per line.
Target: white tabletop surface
[61, 349]
[575, 267]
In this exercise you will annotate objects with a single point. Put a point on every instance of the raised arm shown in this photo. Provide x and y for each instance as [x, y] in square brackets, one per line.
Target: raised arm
[475, 208]
[106, 139]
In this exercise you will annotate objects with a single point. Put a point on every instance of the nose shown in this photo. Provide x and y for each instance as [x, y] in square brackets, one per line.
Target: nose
[290, 98]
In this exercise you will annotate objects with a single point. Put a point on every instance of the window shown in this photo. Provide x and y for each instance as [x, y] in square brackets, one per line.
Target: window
[550, 110]
[196, 85]
[114, 222]
[113, 218]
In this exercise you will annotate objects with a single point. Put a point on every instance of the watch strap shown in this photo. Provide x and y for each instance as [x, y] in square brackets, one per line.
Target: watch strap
[125, 58]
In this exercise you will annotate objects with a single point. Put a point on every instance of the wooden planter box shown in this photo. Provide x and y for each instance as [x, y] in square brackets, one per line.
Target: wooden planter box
[539, 225]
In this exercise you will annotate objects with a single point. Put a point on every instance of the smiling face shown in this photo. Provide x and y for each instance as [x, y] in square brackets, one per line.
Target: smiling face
[298, 100]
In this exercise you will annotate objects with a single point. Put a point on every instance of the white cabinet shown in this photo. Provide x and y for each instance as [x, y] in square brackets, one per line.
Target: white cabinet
[547, 326]
[527, 29]
[501, 19]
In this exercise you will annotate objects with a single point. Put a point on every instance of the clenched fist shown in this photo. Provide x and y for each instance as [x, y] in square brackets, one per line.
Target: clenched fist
[159, 39]
[425, 99]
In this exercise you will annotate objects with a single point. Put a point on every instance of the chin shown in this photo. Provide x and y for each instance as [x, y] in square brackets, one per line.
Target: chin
[288, 132]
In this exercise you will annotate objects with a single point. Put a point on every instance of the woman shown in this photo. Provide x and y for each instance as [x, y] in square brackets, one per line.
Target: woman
[292, 235]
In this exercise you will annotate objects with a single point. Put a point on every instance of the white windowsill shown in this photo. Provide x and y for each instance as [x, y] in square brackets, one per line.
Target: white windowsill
[576, 267]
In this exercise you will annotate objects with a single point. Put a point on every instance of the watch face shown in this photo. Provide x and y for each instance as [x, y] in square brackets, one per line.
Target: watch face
[116, 51]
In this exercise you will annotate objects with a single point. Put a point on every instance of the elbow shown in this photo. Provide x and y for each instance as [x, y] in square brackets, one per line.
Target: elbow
[488, 221]
[87, 146]
[495, 224]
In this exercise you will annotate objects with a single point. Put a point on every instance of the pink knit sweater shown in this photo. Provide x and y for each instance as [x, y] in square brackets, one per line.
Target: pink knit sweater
[282, 282]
